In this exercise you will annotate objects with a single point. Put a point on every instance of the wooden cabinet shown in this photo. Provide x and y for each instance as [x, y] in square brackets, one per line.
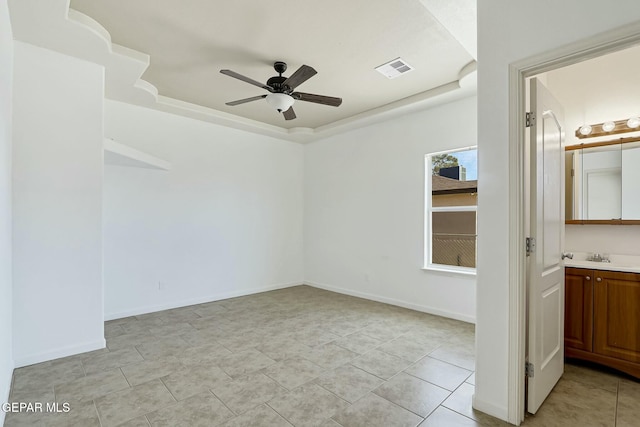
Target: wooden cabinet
[617, 315]
[578, 309]
[602, 318]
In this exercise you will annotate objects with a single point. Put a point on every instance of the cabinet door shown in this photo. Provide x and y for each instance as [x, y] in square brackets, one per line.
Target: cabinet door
[617, 315]
[578, 309]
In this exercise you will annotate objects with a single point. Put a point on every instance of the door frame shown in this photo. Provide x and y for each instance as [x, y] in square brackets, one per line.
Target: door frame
[589, 48]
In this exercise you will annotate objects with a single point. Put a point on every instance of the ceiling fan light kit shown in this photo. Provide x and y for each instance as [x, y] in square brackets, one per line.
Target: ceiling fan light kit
[280, 101]
[281, 90]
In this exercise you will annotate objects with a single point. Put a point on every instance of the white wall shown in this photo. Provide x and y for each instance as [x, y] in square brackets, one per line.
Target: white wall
[510, 30]
[6, 76]
[57, 182]
[364, 211]
[226, 220]
[597, 238]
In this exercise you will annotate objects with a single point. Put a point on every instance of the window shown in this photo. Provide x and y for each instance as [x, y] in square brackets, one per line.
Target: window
[451, 200]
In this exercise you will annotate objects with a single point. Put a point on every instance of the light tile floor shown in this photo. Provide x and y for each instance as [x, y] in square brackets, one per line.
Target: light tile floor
[298, 356]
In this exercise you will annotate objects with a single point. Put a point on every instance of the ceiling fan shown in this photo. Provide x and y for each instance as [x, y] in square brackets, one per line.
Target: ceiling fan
[281, 94]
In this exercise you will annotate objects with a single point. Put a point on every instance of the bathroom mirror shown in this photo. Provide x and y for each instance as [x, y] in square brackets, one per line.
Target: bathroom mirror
[603, 182]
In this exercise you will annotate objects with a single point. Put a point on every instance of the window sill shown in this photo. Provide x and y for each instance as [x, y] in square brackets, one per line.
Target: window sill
[453, 271]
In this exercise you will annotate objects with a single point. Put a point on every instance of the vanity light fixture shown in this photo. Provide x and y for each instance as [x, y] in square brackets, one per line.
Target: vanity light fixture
[585, 130]
[609, 128]
[633, 122]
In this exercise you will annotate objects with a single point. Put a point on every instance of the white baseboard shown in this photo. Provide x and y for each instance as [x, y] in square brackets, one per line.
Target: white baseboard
[393, 301]
[491, 409]
[60, 352]
[199, 300]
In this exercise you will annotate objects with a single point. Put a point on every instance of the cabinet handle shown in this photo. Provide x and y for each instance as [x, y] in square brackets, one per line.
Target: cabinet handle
[587, 278]
[598, 279]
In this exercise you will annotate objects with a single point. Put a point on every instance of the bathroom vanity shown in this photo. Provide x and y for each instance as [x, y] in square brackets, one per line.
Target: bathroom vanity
[602, 313]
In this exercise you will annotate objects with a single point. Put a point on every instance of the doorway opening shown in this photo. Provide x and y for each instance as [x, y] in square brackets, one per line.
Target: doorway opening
[555, 68]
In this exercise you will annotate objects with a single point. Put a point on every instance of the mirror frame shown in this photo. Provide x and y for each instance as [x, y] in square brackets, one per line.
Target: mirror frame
[602, 221]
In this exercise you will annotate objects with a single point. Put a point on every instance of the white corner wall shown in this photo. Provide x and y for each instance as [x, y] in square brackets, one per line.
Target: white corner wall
[364, 211]
[509, 31]
[6, 80]
[57, 185]
[226, 220]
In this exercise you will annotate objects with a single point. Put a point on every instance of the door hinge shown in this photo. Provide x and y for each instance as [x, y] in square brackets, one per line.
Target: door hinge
[530, 245]
[528, 369]
[530, 119]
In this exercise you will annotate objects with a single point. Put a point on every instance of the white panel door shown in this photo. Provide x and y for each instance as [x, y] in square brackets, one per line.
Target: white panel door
[546, 268]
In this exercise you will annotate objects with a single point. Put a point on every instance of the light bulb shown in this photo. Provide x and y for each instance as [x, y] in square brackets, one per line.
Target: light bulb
[585, 130]
[633, 122]
[608, 126]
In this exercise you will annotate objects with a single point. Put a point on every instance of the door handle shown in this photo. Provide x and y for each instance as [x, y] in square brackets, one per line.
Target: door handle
[567, 255]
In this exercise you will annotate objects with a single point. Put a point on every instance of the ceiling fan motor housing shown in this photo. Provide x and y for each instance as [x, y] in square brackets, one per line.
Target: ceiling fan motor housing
[276, 83]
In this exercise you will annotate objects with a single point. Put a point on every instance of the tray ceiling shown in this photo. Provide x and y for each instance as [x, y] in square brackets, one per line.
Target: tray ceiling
[167, 55]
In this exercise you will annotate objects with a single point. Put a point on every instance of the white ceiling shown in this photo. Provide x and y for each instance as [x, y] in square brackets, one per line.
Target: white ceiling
[597, 90]
[167, 55]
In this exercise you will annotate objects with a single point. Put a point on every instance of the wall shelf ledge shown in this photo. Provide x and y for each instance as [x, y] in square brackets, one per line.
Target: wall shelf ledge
[118, 154]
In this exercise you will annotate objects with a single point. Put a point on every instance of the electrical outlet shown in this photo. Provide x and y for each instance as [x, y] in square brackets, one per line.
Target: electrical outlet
[162, 286]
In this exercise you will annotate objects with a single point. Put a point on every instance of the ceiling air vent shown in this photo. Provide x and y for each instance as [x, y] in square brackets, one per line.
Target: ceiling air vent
[394, 68]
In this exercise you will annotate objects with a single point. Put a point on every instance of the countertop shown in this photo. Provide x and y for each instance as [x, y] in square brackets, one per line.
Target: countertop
[622, 263]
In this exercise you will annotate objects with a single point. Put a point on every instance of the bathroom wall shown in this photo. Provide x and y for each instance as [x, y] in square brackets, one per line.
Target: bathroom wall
[608, 239]
[595, 91]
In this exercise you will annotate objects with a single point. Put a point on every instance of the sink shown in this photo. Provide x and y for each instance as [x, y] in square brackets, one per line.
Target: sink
[623, 263]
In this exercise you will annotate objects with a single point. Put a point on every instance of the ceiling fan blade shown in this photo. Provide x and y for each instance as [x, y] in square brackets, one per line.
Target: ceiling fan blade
[318, 99]
[301, 75]
[246, 79]
[242, 101]
[289, 114]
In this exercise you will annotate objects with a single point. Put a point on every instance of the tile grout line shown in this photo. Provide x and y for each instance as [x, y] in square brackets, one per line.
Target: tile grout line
[125, 377]
[341, 398]
[225, 405]
[165, 386]
[283, 417]
[97, 412]
[453, 410]
[615, 413]
[437, 385]
[397, 404]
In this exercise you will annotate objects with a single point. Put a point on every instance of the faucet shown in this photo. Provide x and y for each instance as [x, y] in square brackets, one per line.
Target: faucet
[597, 257]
